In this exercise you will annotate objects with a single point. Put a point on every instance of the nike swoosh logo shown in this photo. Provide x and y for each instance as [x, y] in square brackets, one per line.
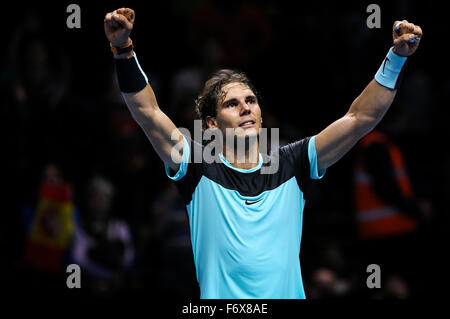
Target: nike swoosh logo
[385, 60]
[251, 203]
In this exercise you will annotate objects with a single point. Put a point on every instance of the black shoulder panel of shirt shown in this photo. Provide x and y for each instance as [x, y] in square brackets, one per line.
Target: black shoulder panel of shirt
[292, 161]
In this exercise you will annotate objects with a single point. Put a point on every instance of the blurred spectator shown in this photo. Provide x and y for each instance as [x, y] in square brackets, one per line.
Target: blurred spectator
[171, 223]
[36, 75]
[37, 79]
[177, 271]
[241, 27]
[383, 191]
[188, 82]
[388, 215]
[103, 246]
[38, 70]
[325, 284]
[394, 287]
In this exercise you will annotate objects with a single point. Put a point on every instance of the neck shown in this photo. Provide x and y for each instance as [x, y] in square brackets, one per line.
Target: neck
[242, 154]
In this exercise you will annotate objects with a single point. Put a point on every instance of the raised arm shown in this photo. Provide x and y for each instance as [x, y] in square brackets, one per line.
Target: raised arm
[370, 106]
[137, 92]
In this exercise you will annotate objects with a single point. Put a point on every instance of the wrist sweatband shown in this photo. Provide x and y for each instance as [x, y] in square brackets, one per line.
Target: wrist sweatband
[391, 70]
[130, 76]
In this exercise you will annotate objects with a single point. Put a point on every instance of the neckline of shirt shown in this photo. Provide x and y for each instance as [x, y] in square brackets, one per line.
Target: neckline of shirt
[242, 170]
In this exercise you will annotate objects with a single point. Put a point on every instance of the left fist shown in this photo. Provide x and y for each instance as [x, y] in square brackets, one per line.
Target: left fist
[406, 37]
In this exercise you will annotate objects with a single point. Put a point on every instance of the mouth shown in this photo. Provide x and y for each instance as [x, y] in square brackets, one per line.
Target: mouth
[247, 124]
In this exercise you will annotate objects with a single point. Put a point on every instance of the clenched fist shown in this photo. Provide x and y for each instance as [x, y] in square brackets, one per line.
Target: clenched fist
[118, 25]
[406, 37]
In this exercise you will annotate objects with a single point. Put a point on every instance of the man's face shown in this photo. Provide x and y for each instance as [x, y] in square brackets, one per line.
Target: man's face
[239, 110]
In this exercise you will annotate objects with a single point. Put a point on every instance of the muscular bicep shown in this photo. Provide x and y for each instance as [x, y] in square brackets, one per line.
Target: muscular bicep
[336, 140]
[162, 133]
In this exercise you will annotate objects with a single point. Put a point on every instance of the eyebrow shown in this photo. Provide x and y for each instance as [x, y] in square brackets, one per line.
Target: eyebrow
[236, 100]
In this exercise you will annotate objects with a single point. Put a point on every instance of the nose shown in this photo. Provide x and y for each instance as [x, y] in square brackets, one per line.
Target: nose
[245, 108]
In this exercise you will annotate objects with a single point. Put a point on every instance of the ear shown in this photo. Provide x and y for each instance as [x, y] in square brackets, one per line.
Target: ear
[211, 122]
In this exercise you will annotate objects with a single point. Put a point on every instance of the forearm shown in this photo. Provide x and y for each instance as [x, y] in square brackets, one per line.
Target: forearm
[142, 103]
[371, 105]
[369, 108]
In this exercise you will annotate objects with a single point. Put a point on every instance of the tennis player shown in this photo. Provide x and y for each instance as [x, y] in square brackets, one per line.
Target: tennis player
[246, 226]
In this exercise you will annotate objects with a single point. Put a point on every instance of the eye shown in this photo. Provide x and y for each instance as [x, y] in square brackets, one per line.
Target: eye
[251, 100]
[231, 104]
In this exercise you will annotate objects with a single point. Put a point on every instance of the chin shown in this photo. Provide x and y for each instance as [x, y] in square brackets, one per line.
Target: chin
[247, 132]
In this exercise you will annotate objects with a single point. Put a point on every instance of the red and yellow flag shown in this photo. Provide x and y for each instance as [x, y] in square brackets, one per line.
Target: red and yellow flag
[52, 228]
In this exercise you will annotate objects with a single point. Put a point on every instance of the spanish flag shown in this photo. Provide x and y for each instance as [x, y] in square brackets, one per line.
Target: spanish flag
[52, 228]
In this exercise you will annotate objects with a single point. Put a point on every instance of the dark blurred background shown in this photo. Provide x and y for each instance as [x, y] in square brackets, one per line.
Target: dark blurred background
[83, 185]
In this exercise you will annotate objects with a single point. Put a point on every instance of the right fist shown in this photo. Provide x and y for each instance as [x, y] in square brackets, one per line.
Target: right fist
[118, 25]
